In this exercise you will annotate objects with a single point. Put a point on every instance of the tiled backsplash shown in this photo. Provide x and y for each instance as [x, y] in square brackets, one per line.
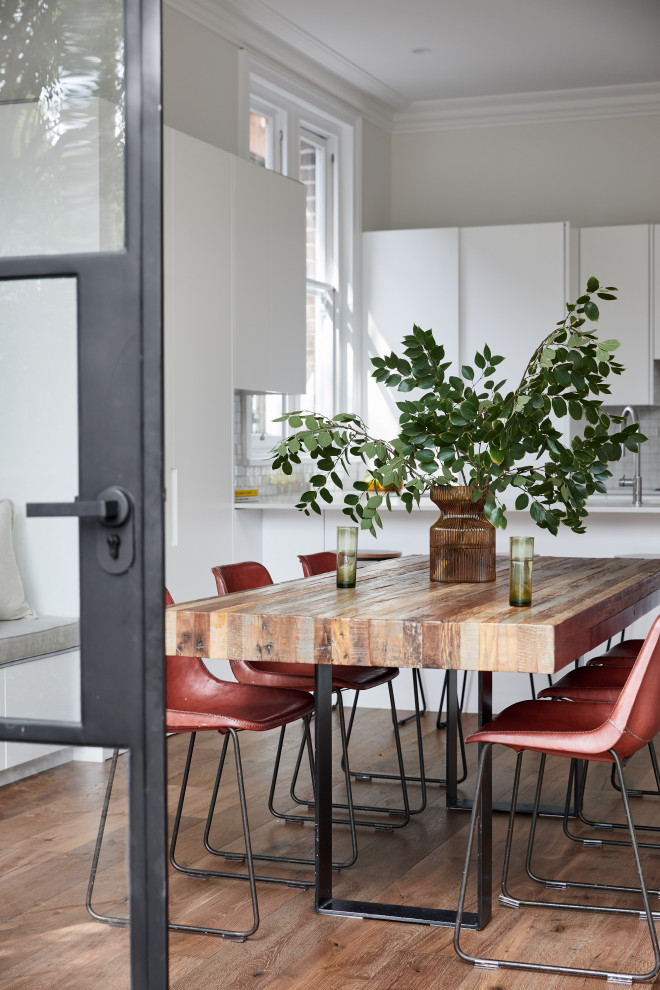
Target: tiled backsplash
[260, 475]
[649, 425]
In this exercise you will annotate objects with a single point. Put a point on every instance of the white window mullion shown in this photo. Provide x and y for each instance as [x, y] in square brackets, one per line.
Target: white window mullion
[328, 149]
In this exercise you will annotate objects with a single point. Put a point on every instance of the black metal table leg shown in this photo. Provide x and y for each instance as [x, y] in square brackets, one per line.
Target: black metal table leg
[325, 902]
[452, 738]
[323, 762]
[485, 835]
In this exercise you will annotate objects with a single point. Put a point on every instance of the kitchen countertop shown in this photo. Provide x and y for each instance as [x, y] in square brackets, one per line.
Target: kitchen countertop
[615, 502]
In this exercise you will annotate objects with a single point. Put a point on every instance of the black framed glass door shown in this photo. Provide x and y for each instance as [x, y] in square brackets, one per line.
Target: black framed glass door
[81, 632]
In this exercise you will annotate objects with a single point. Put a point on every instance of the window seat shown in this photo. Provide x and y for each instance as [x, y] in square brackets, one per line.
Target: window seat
[24, 639]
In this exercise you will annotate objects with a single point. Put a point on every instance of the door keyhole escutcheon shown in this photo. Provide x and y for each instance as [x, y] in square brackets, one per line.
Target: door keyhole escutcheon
[114, 514]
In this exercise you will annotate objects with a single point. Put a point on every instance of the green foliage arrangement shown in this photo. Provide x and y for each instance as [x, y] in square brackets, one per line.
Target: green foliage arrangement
[465, 430]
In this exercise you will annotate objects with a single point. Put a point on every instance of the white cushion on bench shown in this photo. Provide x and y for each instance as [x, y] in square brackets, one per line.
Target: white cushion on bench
[12, 596]
[34, 637]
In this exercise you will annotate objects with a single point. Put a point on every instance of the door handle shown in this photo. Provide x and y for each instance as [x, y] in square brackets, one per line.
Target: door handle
[112, 507]
[113, 510]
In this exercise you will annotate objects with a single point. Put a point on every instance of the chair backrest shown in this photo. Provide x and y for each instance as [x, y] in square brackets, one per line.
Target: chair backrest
[318, 563]
[637, 712]
[183, 675]
[240, 577]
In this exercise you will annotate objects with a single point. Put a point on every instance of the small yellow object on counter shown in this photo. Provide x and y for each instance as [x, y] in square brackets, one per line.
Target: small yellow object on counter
[246, 492]
[375, 487]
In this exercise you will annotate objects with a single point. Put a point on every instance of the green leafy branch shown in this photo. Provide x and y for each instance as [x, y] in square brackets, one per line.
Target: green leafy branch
[468, 430]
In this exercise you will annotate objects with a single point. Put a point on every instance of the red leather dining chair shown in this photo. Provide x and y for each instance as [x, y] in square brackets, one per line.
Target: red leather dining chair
[601, 683]
[237, 577]
[199, 702]
[578, 730]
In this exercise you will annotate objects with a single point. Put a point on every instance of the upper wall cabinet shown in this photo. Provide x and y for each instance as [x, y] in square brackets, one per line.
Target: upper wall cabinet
[623, 256]
[410, 276]
[656, 290]
[269, 280]
[198, 372]
[513, 282]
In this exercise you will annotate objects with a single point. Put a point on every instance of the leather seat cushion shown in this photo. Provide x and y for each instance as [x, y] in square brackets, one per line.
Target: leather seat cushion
[579, 729]
[196, 700]
[602, 684]
[622, 655]
[301, 675]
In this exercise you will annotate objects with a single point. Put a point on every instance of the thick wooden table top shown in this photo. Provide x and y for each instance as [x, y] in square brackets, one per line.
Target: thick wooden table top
[396, 616]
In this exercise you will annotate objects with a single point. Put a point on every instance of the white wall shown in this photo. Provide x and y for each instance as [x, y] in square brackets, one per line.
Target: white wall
[590, 173]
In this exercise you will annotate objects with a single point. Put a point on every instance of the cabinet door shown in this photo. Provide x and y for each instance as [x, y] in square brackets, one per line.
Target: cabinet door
[513, 290]
[269, 280]
[655, 249]
[410, 276]
[514, 284]
[620, 256]
[198, 366]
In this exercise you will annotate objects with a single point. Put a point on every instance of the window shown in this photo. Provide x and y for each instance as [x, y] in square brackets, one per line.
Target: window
[286, 133]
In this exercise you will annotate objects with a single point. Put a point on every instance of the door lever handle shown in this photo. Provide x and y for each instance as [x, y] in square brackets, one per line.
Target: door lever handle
[112, 507]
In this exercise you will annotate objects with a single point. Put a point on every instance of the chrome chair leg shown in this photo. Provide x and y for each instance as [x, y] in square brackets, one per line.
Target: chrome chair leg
[228, 934]
[608, 826]
[409, 778]
[350, 820]
[237, 936]
[638, 792]
[417, 677]
[492, 963]
[105, 918]
[593, 843]
[261, 857]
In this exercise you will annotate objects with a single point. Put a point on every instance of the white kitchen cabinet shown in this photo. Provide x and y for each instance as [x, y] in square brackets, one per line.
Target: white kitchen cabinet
[269, 280]
[622, 256]
[502, 285]
[198, 363]
[410, 276]
[656, 290]
[513, 289]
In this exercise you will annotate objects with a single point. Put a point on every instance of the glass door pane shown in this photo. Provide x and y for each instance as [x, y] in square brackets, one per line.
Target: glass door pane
[62, 126]
[40, 605]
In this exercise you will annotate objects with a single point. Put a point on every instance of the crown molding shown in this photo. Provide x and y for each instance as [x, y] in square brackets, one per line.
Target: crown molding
[250, 24]
[289, 47]
[554, 106]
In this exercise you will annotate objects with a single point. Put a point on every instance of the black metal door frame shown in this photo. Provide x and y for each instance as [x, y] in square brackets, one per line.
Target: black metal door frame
[119, 298]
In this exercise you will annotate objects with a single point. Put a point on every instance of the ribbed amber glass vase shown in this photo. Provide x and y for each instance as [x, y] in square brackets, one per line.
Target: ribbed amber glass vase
[462, 540]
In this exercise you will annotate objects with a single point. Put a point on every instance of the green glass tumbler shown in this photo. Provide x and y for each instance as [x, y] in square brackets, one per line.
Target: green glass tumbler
[347, 541]
[521, 556]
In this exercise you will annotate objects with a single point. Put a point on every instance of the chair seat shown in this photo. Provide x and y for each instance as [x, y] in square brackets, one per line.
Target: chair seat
[629, 648]
[300, 676]
[224, 705]
[600, 684]
[622, 655]
[576, 729]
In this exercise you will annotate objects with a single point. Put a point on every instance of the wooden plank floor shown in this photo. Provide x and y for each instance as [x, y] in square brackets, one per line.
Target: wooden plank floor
[47, 830]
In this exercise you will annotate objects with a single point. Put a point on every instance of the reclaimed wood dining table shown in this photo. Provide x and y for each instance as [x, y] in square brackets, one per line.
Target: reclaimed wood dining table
[396, 616]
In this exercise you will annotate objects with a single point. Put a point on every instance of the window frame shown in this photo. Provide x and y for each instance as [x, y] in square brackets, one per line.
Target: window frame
[295, 108]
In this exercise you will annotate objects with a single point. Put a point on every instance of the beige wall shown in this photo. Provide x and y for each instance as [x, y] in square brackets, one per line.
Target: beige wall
[200, 82]
[377, 177]
[590, 173]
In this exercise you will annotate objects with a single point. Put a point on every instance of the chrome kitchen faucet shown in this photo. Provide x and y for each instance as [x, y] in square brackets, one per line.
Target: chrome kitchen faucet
[636, 480]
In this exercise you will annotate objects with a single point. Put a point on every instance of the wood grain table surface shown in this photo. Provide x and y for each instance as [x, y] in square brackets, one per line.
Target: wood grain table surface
[396, 616]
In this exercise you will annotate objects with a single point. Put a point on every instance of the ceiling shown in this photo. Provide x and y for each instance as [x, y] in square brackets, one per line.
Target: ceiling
[427, 50]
